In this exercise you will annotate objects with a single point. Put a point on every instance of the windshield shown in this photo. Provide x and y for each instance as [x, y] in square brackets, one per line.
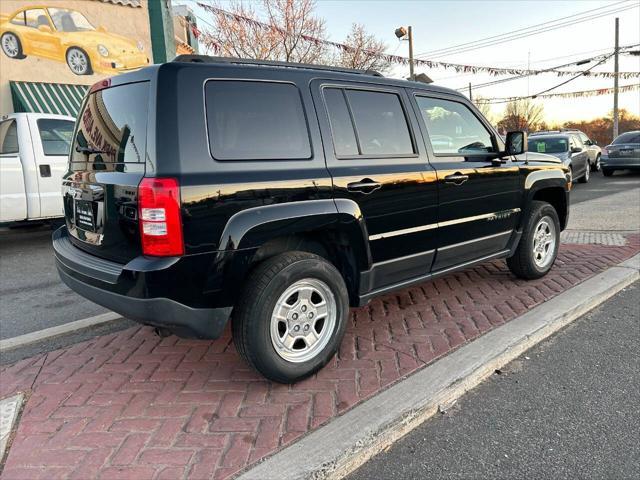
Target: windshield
[548, 145]
[69, 20]
[629, 137]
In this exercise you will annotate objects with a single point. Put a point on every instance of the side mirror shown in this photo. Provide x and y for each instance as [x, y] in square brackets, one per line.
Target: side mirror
[516, 142]
[576, 149]
[44, 28]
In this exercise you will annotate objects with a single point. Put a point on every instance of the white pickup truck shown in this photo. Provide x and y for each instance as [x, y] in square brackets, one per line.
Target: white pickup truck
[34, 150]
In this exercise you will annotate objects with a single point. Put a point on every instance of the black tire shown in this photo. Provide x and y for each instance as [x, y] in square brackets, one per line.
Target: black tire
[80, 53]
[587, 173]
[251, 324]
[596, 166]
[607, 172]
[522, 263]
[19, 55]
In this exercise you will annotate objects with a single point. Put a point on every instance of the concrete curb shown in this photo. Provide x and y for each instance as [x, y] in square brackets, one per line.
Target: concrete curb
[347, 442]
[48, 333]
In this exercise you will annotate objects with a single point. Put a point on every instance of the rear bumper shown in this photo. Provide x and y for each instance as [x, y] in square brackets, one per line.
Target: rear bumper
[129, 290]
[620, 162]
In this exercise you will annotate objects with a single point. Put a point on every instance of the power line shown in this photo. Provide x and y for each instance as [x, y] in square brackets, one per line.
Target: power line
[525, 32]
[551, 69]
[555, 86]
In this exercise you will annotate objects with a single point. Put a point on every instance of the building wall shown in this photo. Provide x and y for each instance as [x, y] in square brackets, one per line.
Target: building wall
[127, 21]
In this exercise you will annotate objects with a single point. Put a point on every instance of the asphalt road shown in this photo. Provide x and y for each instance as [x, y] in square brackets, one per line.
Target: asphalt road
[32, 297]
[567, 409]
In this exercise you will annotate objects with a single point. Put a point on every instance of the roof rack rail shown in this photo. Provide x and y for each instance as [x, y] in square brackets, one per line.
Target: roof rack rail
[269, 63]
[561, 130]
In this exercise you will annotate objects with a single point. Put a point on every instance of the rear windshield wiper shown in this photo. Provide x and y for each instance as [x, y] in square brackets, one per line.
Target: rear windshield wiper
[88, 150]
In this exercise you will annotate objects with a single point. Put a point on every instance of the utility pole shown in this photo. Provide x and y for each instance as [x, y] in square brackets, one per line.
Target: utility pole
[411, 75]
[470, 95]
[407, 34]
[615, 83]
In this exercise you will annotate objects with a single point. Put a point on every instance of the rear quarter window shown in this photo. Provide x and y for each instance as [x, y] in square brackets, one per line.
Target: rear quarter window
[249, 120]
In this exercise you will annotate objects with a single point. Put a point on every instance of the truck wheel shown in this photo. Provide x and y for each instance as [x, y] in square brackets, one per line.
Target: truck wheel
[291, 316]
[78, 61]
[607, 172]
[538, 247]
[11, 46]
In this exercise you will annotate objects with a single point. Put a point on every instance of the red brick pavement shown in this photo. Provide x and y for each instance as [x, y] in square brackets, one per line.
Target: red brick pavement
[132, 405]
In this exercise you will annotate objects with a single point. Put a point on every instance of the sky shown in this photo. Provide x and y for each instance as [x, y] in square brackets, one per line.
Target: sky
[442, 24]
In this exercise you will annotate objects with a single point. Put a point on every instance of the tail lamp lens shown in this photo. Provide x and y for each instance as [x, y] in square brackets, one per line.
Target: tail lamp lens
[160, 218]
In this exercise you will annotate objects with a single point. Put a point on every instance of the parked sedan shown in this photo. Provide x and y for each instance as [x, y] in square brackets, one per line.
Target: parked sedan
[623, 153]
[568, 148]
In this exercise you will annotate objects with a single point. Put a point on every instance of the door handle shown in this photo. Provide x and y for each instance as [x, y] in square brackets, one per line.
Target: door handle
[456, 178]
[45, 170]
[365, 186]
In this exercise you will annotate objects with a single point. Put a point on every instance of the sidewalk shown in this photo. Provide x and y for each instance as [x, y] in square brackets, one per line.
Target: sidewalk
[131, 405]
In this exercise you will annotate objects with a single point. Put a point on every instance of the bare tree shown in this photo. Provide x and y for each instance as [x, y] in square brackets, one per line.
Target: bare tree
[522, 115]
[484, 107]
[287, 34]
[296, 26]
[365, 51]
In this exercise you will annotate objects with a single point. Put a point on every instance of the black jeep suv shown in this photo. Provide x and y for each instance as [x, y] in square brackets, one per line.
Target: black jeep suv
[278, 195]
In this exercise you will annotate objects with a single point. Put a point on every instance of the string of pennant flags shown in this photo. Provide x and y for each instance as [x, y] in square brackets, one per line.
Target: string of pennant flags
[583, 93]
[211, 43]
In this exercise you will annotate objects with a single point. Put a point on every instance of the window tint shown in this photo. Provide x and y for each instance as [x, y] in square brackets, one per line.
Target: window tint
[380, 123]
[629, 137]
[453, 129]
[344, 138]
[8, 137]
[256, 121]
[55, 135]
[548, 144]
[112, 127]
[36, 17]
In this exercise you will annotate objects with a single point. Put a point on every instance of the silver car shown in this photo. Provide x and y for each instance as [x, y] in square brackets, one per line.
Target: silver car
[568, 148]
[623, 153]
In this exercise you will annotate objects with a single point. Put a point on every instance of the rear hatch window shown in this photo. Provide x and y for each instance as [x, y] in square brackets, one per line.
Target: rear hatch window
[112, 127]
[106, 165]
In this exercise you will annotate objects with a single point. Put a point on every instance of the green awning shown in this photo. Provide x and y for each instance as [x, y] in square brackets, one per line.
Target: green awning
[41, 97]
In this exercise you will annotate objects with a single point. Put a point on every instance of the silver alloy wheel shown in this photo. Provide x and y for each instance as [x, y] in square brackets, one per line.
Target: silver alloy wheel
[77, 61]
[597, 167]
[10, 45]
[303, 320]
[587, 171]
[544, 242]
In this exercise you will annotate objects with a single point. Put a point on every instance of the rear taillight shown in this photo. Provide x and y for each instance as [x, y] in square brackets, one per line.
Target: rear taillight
[160, 219]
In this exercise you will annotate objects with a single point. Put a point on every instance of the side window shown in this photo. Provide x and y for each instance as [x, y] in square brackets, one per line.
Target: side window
[36, 17]
[55, 135]
[8, 137]
[344, 136]
[453, 129]
[380, 122]
[584, 138]
[19, 19]
[576, 141]
[256, 121]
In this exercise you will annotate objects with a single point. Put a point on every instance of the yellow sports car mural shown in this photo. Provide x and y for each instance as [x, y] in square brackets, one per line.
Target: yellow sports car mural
[67, 36]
